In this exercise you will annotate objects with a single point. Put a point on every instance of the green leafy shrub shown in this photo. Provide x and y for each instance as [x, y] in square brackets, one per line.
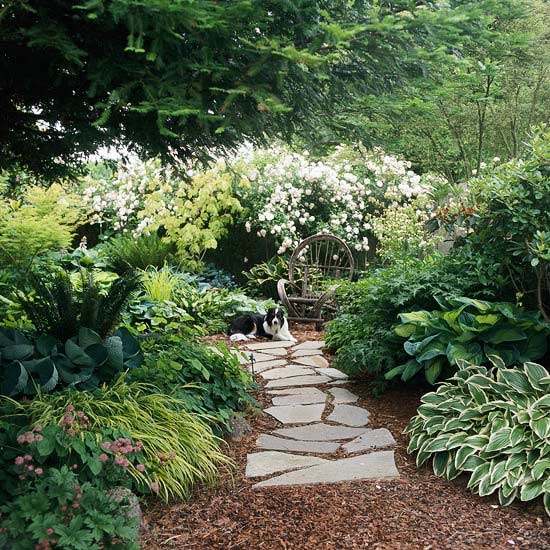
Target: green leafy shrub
[362, 334]
[492, 424]
[179, 449]
[127, 253]
[57, 309]
[61, 511]
[468, 330]
[208, 378]
[159, 284]
[263, 277]
[44, 364]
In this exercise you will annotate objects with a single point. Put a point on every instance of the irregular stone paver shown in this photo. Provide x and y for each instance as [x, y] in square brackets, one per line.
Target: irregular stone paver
[312, 361]
[310, 344]
[271, 462]
[299, 399]
[280, 352]
[305, 352]
[266, 441]
[310, 380]
[320, 432]
[350, 415]
[371, 439]
[286, 372]
[270, 345]
[333, 373]
[297, 414]
[266, 365]
[258, 357]
[295, 391]
[377, 465]
[341, 395]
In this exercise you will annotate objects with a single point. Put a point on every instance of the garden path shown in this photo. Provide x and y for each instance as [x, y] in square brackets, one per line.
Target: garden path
[324, 437]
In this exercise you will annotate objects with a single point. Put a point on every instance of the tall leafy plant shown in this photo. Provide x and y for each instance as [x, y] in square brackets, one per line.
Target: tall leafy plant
[469, 330]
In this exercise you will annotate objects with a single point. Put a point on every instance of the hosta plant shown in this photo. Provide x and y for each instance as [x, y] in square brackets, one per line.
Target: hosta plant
[468, 330]
[84, 361]
[492, 424]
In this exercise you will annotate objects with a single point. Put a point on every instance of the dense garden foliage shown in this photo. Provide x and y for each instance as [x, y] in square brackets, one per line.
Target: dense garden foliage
[414, 131]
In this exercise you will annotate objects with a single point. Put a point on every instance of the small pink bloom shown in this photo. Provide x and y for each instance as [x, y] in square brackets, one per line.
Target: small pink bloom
[39, 471]
[140, 468]
[19, 460]
[154, 486]
[49, 530]
[103, 457]
[27, 458]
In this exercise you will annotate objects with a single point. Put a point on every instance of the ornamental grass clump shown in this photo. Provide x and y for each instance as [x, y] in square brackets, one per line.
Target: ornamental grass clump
[493, 424]
[179, 449]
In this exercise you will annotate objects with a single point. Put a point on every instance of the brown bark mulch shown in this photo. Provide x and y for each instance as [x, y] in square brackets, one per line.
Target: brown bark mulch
[418, 511]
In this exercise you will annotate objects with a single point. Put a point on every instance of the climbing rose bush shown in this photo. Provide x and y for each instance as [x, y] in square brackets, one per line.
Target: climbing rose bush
[290, 196]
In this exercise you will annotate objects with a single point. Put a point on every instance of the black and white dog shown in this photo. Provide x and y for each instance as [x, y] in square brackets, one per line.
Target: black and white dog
[273, 325]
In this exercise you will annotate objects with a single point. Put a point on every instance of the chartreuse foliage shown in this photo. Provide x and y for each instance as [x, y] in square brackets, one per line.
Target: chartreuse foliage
[468, 330]
[493, 424]
[61, 511]
[179, 448]
[44, 364]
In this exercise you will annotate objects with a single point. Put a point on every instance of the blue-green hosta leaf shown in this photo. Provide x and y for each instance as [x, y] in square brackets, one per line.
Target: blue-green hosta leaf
[77, 354]
[530, 490]
[462, 454]
[534, 347]
[15, 379]
[462, 352]
[504, 334]
[98, 352]
[45, 345]
[130, 345]
[440, 463]
[396, 371]
[412, 368]
[87, 337]
[17, 352]
[433, 371]
[47, 374]
[539, 468]
[541, 427]
[116, 354]
[535, 373]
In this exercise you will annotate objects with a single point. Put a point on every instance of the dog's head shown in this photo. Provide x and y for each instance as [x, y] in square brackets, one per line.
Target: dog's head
[275, 319]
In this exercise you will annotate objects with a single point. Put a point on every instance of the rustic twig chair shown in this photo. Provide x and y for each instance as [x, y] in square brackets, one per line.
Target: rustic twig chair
[313, 268]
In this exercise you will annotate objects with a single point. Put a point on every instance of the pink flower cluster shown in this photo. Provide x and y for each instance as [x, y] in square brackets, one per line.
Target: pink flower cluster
[74, 421]
[30, 437]
[120, 448]
[27, 467]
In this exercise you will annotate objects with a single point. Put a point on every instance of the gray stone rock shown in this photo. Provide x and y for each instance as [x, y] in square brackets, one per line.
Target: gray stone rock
[320, 432]
[350, 415]
[317, 361]
[310, 344]
[300, 399]
[258, 357]
[306, 390]
[310, 380]
[377, 465]
[266, 365]
[371, 439]
[270, 345]
[266, 441]
[286, 372]
[333, 373]
[129, 505]
[238, 428]
[269, 462]
[341, 395]
[297, 414]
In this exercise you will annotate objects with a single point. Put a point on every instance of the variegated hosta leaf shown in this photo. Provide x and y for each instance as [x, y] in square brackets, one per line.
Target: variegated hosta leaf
[494, 424]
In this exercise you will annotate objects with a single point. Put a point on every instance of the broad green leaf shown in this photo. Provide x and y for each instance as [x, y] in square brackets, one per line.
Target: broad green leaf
[507, 334]
[516, 379]
[405, 330]
[535, 373]
[411, 369]
[415, 317]
[539, 468]
[541, 427]
[462, 454]
[440, 463]
[77, 354]
[17, 352]
[499, 440]
[433, 371]
[530, 490]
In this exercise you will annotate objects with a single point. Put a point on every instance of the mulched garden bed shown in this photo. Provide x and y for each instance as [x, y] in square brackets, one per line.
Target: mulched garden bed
[418, 511]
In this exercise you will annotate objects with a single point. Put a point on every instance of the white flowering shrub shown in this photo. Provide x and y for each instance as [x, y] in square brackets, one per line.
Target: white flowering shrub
[290, 196]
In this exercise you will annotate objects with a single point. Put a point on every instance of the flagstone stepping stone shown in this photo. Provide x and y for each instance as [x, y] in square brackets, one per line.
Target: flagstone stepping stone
[320, 432]
[297, 414]
[333, 373]
[307, 390]
[270, 345]
[280, 352]
[377, 465]
[286, 372]
[266, 365]
[310, 380]
[266, 441]
[270, 462]
[312, 361]
[338, 382]
[310, 344]
[306, 352]
[299, 399]
[371, 439]
[341, 395]
[350, 415]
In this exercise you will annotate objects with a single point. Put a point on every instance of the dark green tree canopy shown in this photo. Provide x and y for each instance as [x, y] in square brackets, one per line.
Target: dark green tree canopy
[185, 77]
